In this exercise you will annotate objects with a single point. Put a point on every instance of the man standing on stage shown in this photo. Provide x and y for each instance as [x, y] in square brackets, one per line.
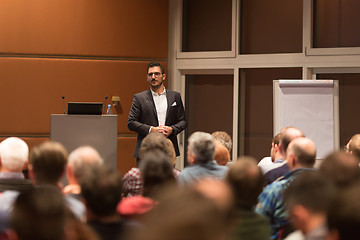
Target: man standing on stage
[157, 110]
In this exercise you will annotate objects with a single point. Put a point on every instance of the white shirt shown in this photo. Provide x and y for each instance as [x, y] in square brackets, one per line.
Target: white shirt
[160, 105]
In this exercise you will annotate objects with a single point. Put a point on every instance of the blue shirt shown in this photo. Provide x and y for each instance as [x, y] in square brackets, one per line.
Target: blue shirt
[271, 204]
[195, 172]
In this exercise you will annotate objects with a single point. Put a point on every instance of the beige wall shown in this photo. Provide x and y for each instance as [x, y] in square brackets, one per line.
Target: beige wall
[82, 50]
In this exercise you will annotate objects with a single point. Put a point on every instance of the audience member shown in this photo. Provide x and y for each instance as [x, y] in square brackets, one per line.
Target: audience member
[308, 199]
[247, 181]
[47, 165]
[156, 171]
[38, 214]
[200, 155]
[222, 155]
[219, 191]
[79, 159]
[183, 213]
[300, 156]
[14, 152]
[341, 168]
[276, 158]
[101, 190]
[132, 184]
[286, 136]
[225, 139]
[354, 146]
[344, 215]
[156, 174]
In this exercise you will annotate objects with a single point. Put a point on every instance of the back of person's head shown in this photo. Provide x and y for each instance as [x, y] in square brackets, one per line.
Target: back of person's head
[83, 157]
[48, 161]
[219, 191]
[354, 146]
[13, 153]
[201, 145]
[246, 180]
[157, 141]
[303, 152]
[276, 139]
[343, 217]
[39, 214]
[222, 154]
[183, 213]
[275, 152]
[341, 168]
[101, 190]
[156, 171]
[223, 138]
[287, 135]
[311, 190]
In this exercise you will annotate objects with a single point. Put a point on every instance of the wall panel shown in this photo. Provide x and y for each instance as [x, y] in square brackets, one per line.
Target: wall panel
[114, 28]
[32, 89]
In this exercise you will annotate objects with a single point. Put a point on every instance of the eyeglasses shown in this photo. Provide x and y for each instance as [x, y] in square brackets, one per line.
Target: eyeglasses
[156, 74]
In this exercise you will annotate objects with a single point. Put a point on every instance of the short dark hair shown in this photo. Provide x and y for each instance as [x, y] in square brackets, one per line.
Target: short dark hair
[101, 189]
[341, 167]
[156, 171]
[311, 190]
[39, 214]
[48, 161]
[344, 213]
[246, 180]
[155, 64]
[276, 139]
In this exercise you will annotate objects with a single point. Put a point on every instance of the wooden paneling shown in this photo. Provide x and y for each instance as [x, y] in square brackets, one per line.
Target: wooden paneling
[271, 26]
[126, 160]
[336, 23]
[206, 25]
[85, 27]
[32, 89]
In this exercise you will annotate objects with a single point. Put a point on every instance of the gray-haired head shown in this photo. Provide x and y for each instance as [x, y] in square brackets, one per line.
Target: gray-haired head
[202, 146]
[83, 157]
[13, 153]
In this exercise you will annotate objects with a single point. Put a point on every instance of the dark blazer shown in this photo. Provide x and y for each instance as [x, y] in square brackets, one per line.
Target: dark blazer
[143, 115]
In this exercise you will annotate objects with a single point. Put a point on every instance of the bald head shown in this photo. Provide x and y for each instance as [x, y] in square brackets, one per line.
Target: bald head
[354, 146]
[301, 152]
[287, 135]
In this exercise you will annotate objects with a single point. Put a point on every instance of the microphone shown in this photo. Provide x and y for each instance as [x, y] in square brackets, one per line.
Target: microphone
[63, 100]
[105, 103]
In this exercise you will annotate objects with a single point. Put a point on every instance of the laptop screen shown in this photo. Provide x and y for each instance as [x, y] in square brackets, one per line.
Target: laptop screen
[85, 108]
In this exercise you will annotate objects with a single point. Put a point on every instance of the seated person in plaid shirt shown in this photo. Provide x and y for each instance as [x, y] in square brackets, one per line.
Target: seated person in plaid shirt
[132, 183]
[300, 156]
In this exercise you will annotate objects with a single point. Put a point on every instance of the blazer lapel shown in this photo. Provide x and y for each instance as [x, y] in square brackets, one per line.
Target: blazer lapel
[152, 104]
[170, 100]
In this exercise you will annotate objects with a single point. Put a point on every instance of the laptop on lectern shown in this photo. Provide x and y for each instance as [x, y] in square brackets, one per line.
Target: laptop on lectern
[85, 108]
